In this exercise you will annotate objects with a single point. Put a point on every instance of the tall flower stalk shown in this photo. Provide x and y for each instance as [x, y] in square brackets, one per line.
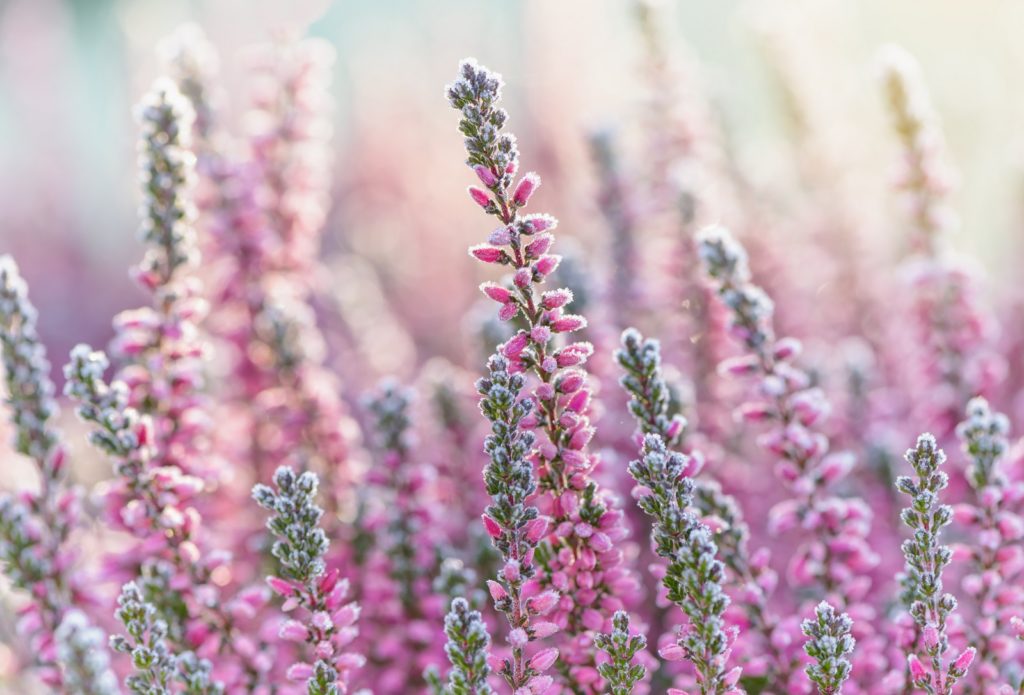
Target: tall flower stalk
[515, 527]
[643, 380]
[578, 557]
[838, 552]
[955, 331]
[467, 649]
[829, 643]
[36, 526]
[328, 623]
[694, 575]
[926, 558]
[994, 518]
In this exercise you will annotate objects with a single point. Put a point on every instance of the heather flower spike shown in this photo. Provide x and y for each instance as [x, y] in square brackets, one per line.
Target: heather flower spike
[329, 623]
[648, 391]
[796, 411]
[513, 524]
[994, 518]
[829, 643]
[926, 558]
[577, 555]
[35, 528]
[157, 669]
[649, 404]
[925, 179]
[694, 575]
[622, 672]
[468, 651]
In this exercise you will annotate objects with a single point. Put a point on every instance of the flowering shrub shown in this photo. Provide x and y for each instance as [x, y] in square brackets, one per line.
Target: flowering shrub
[717, 508]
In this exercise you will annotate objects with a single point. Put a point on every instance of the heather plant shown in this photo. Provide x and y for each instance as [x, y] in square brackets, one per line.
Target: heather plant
[35, 527]
[261, 512]
[993, 517]
[837, 558]
[578, 558]
[467, 650]
[650, 406]
[694, 575]
[622, 672]
[926, 558]
[305, 582]
[828, 643]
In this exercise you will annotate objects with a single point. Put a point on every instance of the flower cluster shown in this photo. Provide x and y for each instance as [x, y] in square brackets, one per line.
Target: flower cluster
[467, 650]
[578, 556]
[694, 575]
[996, 557]
[515, 526]
[35, 527]
[650, 405]
[330, 383]
[926, 559]
[305, 582]
[955, 332]
[836, 560]
[828, 643]
[157, 669]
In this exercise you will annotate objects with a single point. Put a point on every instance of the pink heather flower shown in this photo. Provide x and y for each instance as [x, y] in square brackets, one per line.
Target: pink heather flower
[917, 672]
[556, 298]
[568, 324]
[965, 659]
[479, 196]
[487, 254]
[586, 580]
[546, 265]
[525, 188]
[544, 659]
[487, 177]
[496, 292]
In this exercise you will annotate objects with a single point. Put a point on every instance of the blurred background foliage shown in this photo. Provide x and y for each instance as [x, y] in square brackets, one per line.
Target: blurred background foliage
[70, 72]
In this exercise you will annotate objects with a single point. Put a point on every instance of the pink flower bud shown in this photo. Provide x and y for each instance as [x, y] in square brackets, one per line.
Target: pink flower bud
[672, 652]
[487, 254]
[917, 672]
[544, 629]
[543, 602]
[479, 196]
[486, 176]
[300, 672]
[515, 345]
[293, 631]
[963, 662]
[556, 298]
[540, 223]
[496, 292]
[508, 311]
[786, 348]
[739, 366]
[568, 323]
[544, 659]
[492, 526]
[535, 529]
[496, 590]
[545, 265]
[281, 587]
[539, 246]
[570, 382]
[525, 188]
[930, 636]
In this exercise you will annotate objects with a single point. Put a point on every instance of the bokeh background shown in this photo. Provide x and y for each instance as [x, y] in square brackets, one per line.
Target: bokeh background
[70, 73]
